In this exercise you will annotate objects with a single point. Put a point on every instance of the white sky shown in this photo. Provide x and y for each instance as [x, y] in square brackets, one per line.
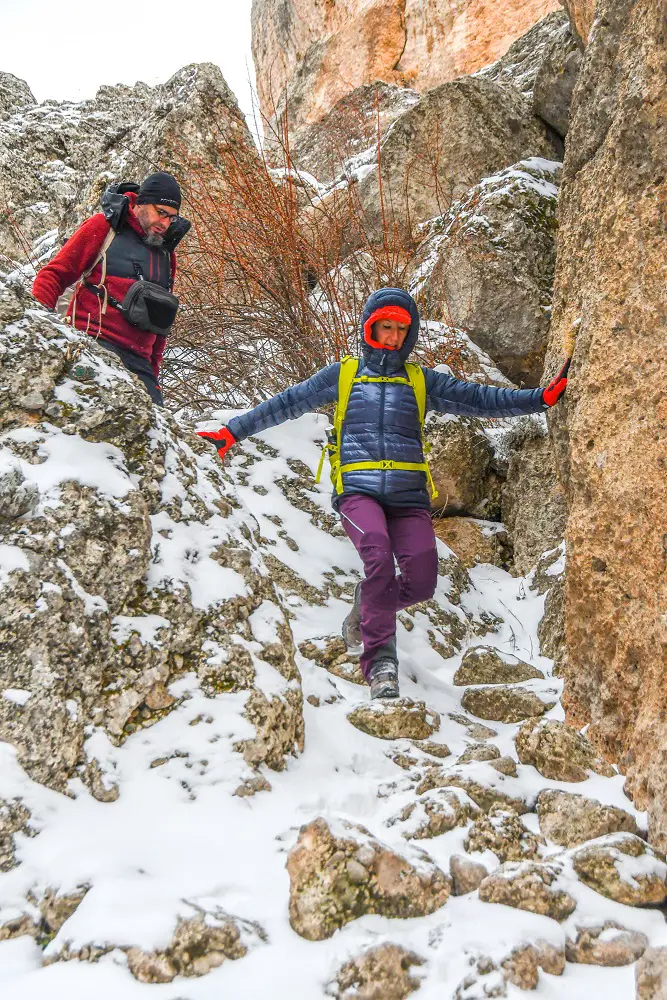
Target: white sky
[66, 49]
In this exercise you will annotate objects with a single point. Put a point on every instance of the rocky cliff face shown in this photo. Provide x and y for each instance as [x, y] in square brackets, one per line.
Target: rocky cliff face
[57, 158]
[610, 301]
[311, 53]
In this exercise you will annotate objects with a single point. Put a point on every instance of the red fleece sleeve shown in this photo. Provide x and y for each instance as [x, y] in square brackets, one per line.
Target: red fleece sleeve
[78, 254]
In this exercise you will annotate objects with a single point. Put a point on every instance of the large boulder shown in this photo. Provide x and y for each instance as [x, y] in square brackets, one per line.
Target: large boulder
[460, 461]
[15, 95]
[558, 751]
[610, 308]
[458, 133]
[310, 55]
[105, 600]
[488, 263]
[487, 665]
[624, 868]
[570, 819]
[337, 875]
[395, 719]
[505, 703]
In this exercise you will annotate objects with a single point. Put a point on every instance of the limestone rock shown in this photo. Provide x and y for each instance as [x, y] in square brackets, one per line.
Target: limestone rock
[504, 703]
[570, 819]
[487, 665]
[433, 749]
[473, 541]
[558, 751]
[556, 79]
[14, 817]
[56, 159]
[624, 868]
[484, 788]
[520, 968]
[533, 501]
[519, 67]
[467, 875]
[15, 94]
[502, 832]
[200, 943]
[436, 812]
[613, 465]
[460, 460]
[95, 627]
[651, 975]
[488, 263]
[308, 56]
[505, 765]
[381, 973]
[528, 885]
[479, 751]
[551, 629]
[581, 14]
[337, 876]
[458, 134]
[333, 656]
[607, 944]
[399, 718]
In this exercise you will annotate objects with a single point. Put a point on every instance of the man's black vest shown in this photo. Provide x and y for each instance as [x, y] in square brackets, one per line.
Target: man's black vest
[129, 256]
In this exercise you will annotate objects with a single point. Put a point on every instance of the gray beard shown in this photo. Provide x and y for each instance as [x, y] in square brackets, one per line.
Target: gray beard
[153, 240]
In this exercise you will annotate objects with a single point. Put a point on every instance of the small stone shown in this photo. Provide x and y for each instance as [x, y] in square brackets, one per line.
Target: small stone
[622, 867]
[528, 885]
[569, 819]
[502, 703]
[32, 401]
[382, 973]
[434, 749]
[437, 812]
[651, 975]
[334, 657]
[505, 765]
[467, 875]
[479, 751]
[484, 795]
[502, 832]
[486, 665]
[395, 719]
[558, 752]
[158, 698]
[607, 944]
[480, 732]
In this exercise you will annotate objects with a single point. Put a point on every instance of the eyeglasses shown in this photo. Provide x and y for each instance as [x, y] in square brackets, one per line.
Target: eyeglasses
[161, 214]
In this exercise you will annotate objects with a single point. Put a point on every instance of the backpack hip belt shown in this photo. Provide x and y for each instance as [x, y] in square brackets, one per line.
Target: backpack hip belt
[346, 379]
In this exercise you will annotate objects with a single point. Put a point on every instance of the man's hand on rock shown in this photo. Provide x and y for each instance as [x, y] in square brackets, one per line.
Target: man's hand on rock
[221, 440]
[557, 386]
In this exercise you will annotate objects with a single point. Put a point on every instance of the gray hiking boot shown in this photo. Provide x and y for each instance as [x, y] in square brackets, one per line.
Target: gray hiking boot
[383, 678]
[351, 630]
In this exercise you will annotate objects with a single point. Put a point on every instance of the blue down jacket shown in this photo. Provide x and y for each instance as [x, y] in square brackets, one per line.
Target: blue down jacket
[382, 421]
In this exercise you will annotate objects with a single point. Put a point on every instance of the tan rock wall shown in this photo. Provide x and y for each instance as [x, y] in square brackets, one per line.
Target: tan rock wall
[610, 290]
[320, 50]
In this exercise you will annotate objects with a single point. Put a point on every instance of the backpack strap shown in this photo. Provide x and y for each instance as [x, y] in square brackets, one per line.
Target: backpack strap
[101, 288]
[347, 377]
[349, 366]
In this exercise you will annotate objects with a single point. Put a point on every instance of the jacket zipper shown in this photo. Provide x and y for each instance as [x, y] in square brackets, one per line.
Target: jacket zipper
[383, 481]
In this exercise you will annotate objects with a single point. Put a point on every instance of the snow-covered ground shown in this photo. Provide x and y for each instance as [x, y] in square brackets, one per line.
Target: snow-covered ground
[177, 839]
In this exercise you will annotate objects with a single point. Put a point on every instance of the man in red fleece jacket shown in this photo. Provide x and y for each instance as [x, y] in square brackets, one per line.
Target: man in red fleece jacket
[141, 248]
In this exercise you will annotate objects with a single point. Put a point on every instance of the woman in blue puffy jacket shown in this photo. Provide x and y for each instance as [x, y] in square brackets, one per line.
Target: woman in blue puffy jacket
[384, 506]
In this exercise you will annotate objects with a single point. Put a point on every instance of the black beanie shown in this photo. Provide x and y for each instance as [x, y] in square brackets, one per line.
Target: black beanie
[160, 189]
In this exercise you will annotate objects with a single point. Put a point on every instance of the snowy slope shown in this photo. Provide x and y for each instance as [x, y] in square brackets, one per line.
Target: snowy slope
[176, 841]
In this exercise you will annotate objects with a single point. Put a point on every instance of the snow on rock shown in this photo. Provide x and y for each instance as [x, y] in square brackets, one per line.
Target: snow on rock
[174, 710]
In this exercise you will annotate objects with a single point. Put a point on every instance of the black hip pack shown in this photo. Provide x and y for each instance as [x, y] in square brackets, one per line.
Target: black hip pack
[149, 306]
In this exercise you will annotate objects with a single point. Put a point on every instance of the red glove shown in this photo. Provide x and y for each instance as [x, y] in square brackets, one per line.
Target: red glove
[221, 440]
[557, 386]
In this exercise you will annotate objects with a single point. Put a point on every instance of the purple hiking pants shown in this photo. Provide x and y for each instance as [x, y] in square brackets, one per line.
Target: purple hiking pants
[379, 534]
